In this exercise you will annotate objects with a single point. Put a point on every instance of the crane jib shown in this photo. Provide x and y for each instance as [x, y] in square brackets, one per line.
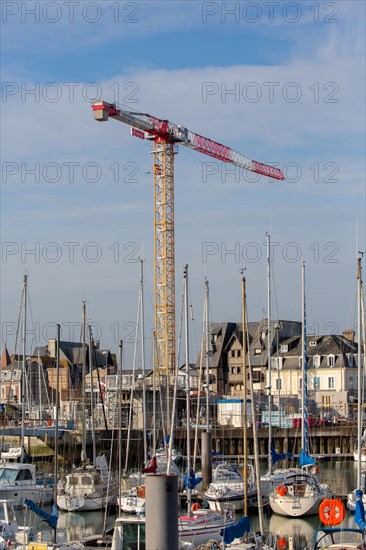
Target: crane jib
[174, 133]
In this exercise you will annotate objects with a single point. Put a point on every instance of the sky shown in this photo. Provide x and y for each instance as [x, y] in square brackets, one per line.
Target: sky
[281, 82]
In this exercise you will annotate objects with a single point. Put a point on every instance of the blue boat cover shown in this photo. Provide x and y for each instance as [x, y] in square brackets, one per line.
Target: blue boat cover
[235, 531]
[51, 519]
[190, 480]
[360, 510]
[276, 457]
[305, 459]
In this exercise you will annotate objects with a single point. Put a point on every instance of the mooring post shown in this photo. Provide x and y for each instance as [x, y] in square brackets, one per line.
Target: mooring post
[206, 459]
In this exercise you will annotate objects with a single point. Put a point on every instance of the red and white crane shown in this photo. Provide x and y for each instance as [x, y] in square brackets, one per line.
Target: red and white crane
[165, 134]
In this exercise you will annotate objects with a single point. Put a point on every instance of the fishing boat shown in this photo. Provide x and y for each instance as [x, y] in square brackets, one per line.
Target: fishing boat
[300, 493]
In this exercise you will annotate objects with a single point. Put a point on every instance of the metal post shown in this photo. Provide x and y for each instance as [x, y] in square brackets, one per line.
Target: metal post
[56, 421]
[269, 343]
[206, 441]
[245, 419]
[161, 512]
[188, 388]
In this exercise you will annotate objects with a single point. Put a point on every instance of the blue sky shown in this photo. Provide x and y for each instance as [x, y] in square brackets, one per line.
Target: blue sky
[298, 72]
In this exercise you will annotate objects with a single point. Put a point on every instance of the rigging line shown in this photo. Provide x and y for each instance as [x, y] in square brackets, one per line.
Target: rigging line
[203, 341]
[170, 450]
[12, 370]
[31, 319]
[193, 321]
[133, 381]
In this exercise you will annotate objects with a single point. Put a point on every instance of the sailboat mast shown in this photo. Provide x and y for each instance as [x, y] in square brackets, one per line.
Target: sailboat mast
[269, 344]
[83, 374]
[92, 391]
[56, 421]
[24, 345]
[207, 294]
[304, 395]
[245, 421]
[188, 389]
[359, 371]
[39, 387]
[143, 358]
[154, 395]
[119, 419]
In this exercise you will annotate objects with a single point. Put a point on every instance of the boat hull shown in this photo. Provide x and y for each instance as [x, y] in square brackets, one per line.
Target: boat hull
[82, 504]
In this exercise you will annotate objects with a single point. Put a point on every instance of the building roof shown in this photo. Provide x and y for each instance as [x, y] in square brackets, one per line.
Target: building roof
[5, 360]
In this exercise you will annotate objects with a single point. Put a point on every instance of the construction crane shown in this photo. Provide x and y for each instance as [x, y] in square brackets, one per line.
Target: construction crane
[165, 136]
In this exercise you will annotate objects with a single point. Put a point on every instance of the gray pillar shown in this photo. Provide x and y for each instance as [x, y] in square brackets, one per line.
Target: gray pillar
[206, 459]
[161, 507]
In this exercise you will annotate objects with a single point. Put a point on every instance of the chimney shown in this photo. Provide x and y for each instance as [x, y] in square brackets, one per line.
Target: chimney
[349, 334]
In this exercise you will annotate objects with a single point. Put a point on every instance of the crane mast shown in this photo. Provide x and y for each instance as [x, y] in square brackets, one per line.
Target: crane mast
[165, 134]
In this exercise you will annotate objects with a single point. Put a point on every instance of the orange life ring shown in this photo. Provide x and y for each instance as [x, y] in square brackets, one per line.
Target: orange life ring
[332, 511]
[141, 491]
[196, 506]
[282, 543]
[282, 490]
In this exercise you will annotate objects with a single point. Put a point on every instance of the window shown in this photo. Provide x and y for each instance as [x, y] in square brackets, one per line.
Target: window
[278, 384]
[331, 360]
[316, 361]
[276, 363]
[313, 344]
[232, 353]
[263, 336]
[316, 382]
[257, 351]
[350, 360]
[331, 384]
[326, 401]
[284, 348]
[351, 383]
[256, 377]
[238, 353]
[300, 384]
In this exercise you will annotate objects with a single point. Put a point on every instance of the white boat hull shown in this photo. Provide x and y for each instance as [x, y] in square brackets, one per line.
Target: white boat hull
[132, 505]
[82, 504]
[15, 494]
[202, 526]
[363, 456]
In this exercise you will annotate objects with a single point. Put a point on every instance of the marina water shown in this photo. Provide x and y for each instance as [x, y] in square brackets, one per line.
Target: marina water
[296, 533]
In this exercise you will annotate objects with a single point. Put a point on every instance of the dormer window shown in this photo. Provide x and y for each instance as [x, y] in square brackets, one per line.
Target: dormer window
[263, 335]
[331, 360]
[257, 351]
[313, 343]
[316, 361]
[284, 348]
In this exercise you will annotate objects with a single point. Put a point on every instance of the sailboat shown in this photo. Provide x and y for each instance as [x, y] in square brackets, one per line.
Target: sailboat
[300, 493]
[238, 536]
[18, 480]
[361, 475]
[198, 525]
[87, 487]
